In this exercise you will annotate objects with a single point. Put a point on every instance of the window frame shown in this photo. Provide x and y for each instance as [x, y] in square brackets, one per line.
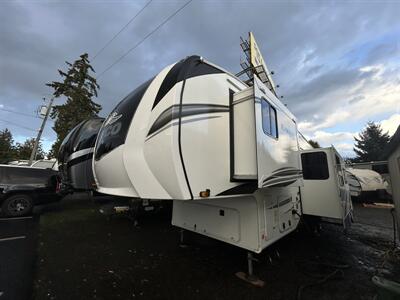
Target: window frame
[271, 109]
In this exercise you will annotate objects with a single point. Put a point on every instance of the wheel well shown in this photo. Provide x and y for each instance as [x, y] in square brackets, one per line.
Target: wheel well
[13, 193]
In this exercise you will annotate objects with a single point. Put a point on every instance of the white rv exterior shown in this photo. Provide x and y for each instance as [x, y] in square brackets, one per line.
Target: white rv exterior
[326, 191]
[393, 154]
[354, 184]
[226, 153]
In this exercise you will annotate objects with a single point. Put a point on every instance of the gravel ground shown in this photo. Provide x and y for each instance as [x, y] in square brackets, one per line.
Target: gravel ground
[84, 255]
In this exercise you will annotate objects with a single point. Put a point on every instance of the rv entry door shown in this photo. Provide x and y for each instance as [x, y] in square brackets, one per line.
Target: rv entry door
[325, 192]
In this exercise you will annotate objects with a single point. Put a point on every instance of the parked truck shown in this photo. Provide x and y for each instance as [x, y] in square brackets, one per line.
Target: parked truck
[23, 187]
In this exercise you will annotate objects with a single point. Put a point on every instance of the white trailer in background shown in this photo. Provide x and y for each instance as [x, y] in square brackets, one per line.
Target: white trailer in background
[373, 185]
[380, 167]
[225, 151]
[354, 184]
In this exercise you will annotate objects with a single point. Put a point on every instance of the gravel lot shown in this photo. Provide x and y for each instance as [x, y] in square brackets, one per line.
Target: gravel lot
[85, 255]
[17, 257]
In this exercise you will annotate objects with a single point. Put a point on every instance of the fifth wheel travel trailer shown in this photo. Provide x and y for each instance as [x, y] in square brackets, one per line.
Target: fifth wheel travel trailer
[75, 156]
[224, 150]
[184, 135]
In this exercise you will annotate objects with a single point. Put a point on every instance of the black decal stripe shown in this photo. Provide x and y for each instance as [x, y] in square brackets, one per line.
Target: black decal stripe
[231, 138]
[283, 202]
[284, 174]
[246, 188]
[169, 81]
[281, 179]
[179, 139]
[180, 111]
[79, 159]
[288, 172]
[177, 123]
[187, 68]
[281, 184]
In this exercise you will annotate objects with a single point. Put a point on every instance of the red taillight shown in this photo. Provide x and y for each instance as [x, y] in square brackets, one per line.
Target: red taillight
[58, 186]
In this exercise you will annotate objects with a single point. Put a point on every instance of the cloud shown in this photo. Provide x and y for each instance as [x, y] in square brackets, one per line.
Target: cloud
[342, 141]
[317, 52]
[328, 138]
[391, 124]
[373, 90]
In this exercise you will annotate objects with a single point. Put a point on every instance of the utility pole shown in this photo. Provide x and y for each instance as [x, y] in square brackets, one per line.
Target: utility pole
[34, 150]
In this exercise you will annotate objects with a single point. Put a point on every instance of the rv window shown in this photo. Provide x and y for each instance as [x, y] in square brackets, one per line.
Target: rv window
[315, 165]
[269, 120]
[381, 169]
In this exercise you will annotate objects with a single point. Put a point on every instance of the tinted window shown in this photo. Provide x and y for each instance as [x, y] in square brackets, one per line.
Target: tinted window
[269, 120]
[115, 128]
[315, 165]
[381, 169]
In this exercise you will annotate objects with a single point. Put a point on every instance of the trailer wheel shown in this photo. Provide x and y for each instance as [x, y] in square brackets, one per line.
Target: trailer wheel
[17, 205]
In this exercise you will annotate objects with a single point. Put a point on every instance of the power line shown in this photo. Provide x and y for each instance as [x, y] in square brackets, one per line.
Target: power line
[19, 113]
[122, 29]
[145, 38]
[17, 125]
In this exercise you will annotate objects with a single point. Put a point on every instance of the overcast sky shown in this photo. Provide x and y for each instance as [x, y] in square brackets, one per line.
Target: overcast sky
[337, 63]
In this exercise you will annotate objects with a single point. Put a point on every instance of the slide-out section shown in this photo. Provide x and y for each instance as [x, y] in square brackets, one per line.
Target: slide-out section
[325, 192]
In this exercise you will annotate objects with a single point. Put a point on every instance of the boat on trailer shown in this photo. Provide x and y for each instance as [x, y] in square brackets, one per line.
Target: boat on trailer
[226, 152]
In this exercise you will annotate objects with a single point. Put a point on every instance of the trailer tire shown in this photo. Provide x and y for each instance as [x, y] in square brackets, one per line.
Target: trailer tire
[17, 205]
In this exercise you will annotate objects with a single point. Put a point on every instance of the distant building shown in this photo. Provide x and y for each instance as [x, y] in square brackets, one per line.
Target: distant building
[393, 155]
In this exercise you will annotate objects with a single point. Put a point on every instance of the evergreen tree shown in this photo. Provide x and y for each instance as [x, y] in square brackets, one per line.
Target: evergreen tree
[23, 151]
[78, 86]
[370, 143]
[314, 144]
[7, 150]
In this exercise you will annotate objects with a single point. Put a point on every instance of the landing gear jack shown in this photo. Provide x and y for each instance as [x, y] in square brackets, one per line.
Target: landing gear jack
[250, 277]
[182, 240]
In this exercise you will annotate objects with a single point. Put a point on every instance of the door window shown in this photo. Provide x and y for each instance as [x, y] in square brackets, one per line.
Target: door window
[315, 165]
